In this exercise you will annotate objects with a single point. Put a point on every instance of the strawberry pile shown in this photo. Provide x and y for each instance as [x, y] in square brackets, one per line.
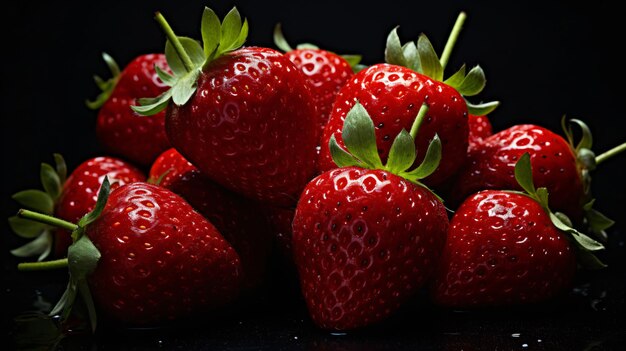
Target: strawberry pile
[374, 182]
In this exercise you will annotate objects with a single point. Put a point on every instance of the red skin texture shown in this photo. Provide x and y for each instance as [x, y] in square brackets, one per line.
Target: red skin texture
[491, 165]
[120, 131]
[326, 72]
[479, 129]
[364, 242]
[502, 249]
[239, 220]
[80, 192]
[250, 126]
[161, 260]
[393, 95]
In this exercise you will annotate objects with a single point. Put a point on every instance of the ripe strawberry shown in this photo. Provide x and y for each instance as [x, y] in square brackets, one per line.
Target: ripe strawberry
[507, 248]
[281, 220]
[121, 131]
[479, 129]
[558, 165]
[240, 221]
[365, 240]
[393, 93]
[147, 257]
[68, 199]
[325, 71]
[244, 116]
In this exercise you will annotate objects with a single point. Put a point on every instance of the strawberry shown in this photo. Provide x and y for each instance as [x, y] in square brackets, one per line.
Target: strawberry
[366, 239]
[393, 93]
[508, 248]
[238, 220]
[68, 199]
[558, 165]
[281, 220]
[325, 71]
[479, 129]
[120, 131]
[146, 257]
[244, 116]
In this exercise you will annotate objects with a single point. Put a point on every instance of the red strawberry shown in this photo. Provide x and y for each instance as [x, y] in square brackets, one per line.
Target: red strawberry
[147, 257]
[393, 94]
[244, 116]
[365, 240]
[240, 221]
[67, 199]
[507, 248]
[121, 131]
[479, 129]
[558, 165]
[281, 220]
[325, 71]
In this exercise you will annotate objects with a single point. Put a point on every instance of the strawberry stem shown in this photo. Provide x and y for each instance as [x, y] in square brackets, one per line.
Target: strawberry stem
[46, 219]
[418, 120]
[178, 46]
[454, 35]
[42, 266]
[608, 154]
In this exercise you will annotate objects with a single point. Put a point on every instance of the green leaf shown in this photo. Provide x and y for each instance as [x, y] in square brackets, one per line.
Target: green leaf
[211, 29]
[358, 68]
[174, 61]
[360, 138]
[185, 87]
[586, 141]
[411, 57]
[307, 46]
[582, 240]
[83, 257]
[61, 167]
[243, 35]
[352, 60]
[457, 78]
[231, 28]
[103, 196]
[431, 66]
[473, 83]
[64, 306]
[542, 198]
[36, 200]
[41, 247]
[482, 109]
[598, 221]
[340, 156]
[402, 153]
[194, 50]
[393, 51]
[50, 181]
[430, 163]
[114, 68]
[165, 77]
[279, 39]
[524, 175]
[26, 228]
[567, 130]
[152, 106]
[589, 260]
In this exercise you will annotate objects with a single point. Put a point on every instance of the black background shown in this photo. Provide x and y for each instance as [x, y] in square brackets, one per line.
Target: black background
[542, 60]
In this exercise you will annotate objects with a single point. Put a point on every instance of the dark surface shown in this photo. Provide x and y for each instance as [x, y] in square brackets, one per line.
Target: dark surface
[542, 60]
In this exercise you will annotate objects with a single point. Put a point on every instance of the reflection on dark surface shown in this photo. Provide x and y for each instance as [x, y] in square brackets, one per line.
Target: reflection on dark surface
[591, 317]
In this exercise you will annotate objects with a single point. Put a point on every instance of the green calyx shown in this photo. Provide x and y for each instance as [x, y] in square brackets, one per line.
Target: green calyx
[82, 257]
[186, 57]
[279, 40]
[585, 245]
[587, 161]
[106, 86]
[421, 57]
[359, 137]
[52, 180]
